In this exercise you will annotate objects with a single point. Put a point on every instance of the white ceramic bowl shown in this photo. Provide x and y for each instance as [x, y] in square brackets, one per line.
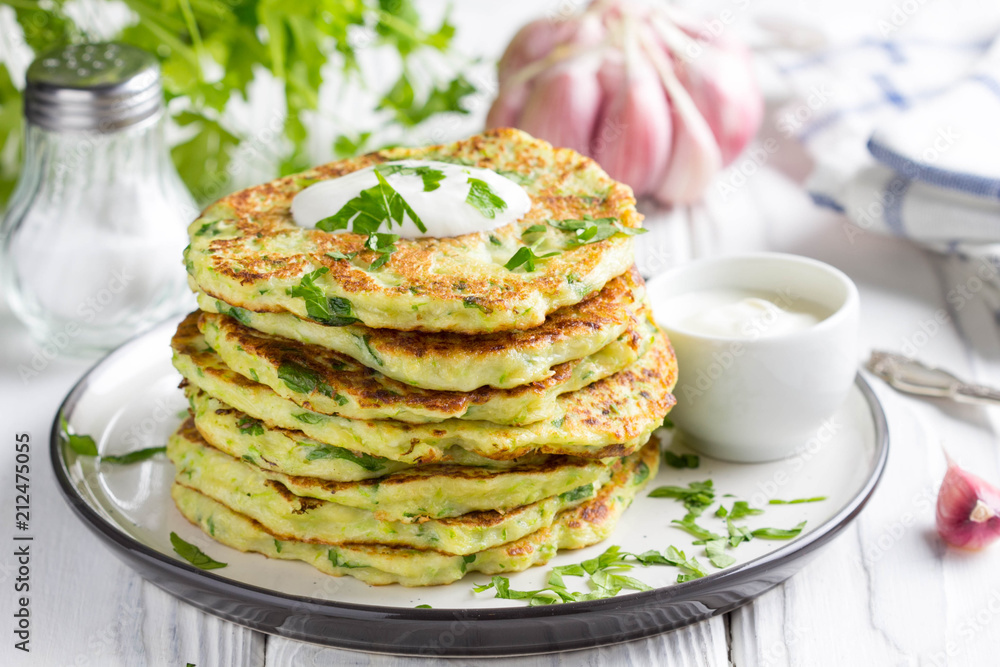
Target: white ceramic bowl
[760, 399]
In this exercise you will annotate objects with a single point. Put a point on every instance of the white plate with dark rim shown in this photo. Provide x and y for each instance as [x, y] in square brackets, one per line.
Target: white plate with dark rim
[130, 400]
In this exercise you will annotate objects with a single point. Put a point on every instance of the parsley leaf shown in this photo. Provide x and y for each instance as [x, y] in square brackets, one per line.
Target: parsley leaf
[333, 311]
[797, 501]
[525, 256]
[579, 493]
[301, 379]
[134, 456]
[681, 461]
[590, 230]
[83, 445]
[193, 554]
[696, 498]
[741, 508]
[688, 524]
[366, 461]
[716, 552]
[778, 533]
[484, 199]
[737, 534]
[383, 245]
[336, 562]
[366, 212]
[472, 302]
[309, 417]
[429, 175]
[250, 426]
[241, 315]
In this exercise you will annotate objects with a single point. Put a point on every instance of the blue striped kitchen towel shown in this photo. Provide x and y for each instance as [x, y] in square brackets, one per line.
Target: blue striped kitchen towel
[904, 135]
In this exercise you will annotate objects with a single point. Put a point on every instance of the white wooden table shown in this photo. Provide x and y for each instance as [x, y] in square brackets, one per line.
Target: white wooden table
[885, 592]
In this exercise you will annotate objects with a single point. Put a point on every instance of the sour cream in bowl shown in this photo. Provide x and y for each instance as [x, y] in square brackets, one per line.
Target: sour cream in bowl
[766, 348]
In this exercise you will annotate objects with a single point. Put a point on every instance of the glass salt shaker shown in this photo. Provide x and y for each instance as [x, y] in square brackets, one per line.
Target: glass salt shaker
[95, 229]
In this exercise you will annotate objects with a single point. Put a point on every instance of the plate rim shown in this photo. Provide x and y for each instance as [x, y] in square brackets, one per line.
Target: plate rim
[173, 567]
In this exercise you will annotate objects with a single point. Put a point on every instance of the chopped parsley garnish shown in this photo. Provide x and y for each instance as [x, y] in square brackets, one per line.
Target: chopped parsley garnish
[431, 177]
[471, 302]
[333, 311]
[373, 206]
[696, 497]
[466, 560]
[681, 461]
[250, 426]
[341, 257]
[737, 534]
[302, 380]
[484, 199]
[604, 575]
[366, 461]
[778, 533]
[309, 417]
[641, 473]
[579, 493]
[133, 457]
[688, 524]
[716, 552]
[590, 230]
[241, 315]
[366, 213]
[193, 554]
[83, 445]
[383, 245]
[366, 341]
[741, 508]
[336, 562]
[525, 257]
[797, 501]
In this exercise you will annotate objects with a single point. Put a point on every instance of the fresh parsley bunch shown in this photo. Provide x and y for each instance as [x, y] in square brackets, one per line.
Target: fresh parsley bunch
[210, 51]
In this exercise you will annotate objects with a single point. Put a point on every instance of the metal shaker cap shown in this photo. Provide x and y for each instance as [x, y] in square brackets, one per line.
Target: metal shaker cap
[102, 87]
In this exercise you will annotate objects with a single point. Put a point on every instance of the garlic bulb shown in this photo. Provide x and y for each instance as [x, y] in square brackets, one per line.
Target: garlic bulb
[635, 87]
[968, 509]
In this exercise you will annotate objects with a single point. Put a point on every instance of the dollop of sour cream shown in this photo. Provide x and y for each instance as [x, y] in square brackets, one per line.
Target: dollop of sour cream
[742, 314]
[444, 210]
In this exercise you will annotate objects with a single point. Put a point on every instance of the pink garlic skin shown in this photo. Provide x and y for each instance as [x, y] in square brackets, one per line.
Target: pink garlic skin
[967, 510]
[632, 138]
[724, 89]
[563, 104]
[538, 39]
[531, 46]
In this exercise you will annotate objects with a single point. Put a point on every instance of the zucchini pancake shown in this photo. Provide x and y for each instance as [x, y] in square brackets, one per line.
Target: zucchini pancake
[420, 362]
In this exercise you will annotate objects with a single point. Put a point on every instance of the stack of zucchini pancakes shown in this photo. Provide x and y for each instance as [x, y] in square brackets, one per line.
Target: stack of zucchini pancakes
[411, 416]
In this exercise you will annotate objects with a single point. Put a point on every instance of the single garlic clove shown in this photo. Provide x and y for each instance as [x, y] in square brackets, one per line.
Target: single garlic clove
[563, 105]
[545, 42]
[632, 136]
[968, 509]
[532, 43]
[722, 85]
[506, 108]
[695, 157]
